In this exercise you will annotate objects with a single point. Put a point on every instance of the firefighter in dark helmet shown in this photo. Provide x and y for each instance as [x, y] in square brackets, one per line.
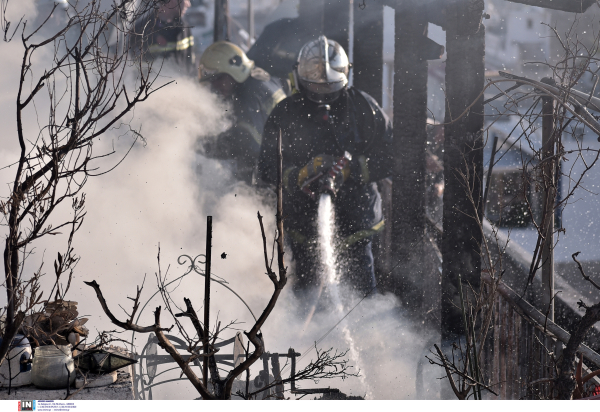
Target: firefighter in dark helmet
[252, 94]
[161, 34]
[335, 139]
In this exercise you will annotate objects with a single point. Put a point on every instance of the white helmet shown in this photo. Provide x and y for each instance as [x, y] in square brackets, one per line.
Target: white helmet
[225, 57]
[323, 69]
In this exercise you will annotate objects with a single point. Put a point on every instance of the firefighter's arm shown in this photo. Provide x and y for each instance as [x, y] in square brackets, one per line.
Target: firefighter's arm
[267, 159]
[228, 144]
[377, 162]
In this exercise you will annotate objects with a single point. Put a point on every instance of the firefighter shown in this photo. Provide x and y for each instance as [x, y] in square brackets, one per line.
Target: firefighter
[162, 34]
[276, 49]
[252, 94]
[341, 134]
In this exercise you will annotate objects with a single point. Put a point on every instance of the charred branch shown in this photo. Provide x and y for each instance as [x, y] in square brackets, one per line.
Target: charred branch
[164, 342]
[566, 382]
[222, 386]
[88, 84]
[586, 277]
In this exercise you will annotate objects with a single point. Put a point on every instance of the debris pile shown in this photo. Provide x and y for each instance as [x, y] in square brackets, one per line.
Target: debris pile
[57, 325]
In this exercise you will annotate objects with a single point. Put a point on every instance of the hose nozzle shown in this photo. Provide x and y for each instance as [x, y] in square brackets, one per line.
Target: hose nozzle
[331, 181]
[328, 181]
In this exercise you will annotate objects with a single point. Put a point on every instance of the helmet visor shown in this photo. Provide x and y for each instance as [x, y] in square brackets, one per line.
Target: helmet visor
[323, 88]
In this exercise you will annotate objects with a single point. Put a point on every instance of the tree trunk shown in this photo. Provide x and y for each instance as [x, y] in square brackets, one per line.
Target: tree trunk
[565, 382]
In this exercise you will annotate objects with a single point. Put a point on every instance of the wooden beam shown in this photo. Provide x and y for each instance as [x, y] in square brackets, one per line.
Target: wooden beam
[337, 17]
[435, 6]
[538, 319]
[367, 68]
[410, 140]
[572, 6]
[463, 158]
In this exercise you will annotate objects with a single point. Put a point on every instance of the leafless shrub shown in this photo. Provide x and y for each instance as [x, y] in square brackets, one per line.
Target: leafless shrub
[570, 93]
[91, 85]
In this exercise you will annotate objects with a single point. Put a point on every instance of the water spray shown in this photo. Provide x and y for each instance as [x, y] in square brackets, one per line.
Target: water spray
[327, 183]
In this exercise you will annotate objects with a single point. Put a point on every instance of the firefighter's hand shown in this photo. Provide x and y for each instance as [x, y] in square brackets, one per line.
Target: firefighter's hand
[317, 165]
[331, 181]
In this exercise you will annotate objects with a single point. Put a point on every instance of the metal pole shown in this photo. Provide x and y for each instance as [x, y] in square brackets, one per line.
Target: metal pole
[549, 197]
[207, 295]
[250, 23]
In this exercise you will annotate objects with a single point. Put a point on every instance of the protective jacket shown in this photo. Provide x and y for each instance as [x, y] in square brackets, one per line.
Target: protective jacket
[354, 123]
[252, 102]
[178, 44]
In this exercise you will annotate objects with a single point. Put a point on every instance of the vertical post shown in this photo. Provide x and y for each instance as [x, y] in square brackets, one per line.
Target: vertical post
[250, 23]
[277, 375]
[488, 180]
[367, 68]
[549, 202]
[207, 295]
[292, 357]
[367, 75]
[410, 142]
[311, 14]
[463, 159]
[265, 358]
[336, 22]
[221, 26]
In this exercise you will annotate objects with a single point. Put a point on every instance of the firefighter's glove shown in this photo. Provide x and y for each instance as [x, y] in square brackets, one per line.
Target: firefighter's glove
[332, 179]
[324, 173]
[316, 166]
[294, 178]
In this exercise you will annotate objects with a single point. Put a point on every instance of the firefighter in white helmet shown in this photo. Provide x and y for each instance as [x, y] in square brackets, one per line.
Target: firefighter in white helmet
[335, 139]
[252, 94]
